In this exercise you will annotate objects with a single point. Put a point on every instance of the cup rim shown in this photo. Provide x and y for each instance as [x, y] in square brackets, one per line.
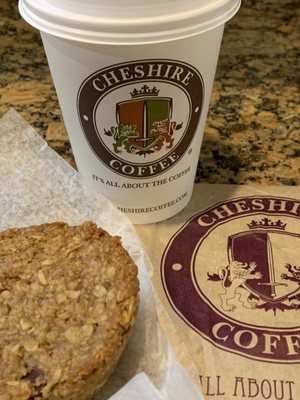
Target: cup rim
[137, 28]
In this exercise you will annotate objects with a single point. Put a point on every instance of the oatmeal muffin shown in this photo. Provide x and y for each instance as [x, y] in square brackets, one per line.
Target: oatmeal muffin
[68, 301]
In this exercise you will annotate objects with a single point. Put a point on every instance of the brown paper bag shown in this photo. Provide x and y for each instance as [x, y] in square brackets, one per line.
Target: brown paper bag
[227, 273]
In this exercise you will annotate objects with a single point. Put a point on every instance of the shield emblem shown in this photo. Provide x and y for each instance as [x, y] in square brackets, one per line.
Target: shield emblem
[142, 113]
[268, 249]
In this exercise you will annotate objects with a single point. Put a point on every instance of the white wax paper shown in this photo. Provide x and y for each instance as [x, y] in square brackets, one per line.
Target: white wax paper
[38, 186]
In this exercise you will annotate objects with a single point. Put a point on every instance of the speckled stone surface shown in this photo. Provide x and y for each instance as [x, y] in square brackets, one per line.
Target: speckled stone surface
[252, 133]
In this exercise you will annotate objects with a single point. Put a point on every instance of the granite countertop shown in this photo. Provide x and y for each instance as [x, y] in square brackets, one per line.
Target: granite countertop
[252, 132]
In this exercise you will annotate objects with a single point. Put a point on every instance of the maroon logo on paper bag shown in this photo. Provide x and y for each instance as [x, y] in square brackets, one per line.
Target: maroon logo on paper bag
[140, 117]
[233, 274]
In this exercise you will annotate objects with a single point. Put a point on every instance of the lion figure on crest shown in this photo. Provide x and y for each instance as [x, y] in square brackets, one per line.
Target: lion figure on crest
[233, 277]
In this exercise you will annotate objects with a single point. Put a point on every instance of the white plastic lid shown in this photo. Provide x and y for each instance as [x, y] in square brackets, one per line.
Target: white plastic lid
[126, 21]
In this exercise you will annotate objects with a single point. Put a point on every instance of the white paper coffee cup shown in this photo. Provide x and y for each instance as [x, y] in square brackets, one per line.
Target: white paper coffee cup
[134, 84]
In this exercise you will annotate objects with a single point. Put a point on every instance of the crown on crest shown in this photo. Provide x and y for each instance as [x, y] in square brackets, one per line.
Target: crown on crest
[266, 223]
[144, 91]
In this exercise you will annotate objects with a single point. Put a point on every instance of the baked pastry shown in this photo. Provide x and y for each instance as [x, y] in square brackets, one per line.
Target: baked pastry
[68, 301]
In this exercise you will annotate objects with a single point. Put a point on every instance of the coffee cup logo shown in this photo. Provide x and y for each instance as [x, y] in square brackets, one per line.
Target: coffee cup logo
[144, 123]
[139, 118]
